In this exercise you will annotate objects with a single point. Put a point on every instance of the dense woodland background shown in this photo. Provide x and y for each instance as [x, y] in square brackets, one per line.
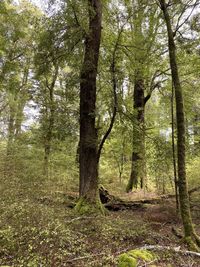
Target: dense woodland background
[42, 68]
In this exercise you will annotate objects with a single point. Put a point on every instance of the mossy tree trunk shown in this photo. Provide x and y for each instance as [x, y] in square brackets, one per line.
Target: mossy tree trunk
[190, 236]
[88, 152]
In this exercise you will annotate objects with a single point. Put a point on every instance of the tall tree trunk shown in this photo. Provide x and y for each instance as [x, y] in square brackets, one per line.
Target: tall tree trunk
[190, 236]
[138, 169]
[9, 165]
[174, 151]
[50, 122]
[11, 129]
[47, 142]
[88, 156]
[138, 162]
[22, 100]
[19, 116]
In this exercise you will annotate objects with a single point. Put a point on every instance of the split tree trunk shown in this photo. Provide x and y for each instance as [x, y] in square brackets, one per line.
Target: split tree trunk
[88, 155]
[190, 236]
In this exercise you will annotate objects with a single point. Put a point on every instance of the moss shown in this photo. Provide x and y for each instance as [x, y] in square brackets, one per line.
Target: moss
[84, 206]
[126, 260]
[131, 258]
[143, 255]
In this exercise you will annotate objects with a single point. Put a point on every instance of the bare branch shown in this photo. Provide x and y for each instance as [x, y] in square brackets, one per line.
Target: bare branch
[187, 18]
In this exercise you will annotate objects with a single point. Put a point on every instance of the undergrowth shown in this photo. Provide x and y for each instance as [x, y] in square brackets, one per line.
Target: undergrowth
[38, 229]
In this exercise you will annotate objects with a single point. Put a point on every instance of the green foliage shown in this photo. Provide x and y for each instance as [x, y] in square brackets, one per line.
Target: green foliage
[193, 172]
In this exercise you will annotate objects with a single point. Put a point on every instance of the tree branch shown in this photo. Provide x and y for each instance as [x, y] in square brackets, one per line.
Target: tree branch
[187, 18]
[114, 82]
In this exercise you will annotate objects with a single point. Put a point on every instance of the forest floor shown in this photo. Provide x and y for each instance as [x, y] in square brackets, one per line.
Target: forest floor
[37, 229]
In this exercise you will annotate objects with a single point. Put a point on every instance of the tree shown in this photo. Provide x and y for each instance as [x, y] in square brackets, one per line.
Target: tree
[191, 237]
[16, 49]
[142, 45]
[47, 71]
[88, 158]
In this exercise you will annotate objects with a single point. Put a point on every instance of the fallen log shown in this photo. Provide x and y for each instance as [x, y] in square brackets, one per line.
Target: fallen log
[131, 205]
[111, 202]
[124, 206]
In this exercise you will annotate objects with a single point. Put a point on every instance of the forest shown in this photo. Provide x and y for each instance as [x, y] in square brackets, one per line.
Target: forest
[99, 133]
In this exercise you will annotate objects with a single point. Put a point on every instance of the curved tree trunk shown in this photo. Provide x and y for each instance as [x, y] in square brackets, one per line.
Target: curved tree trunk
[190, 235]
[88, 155]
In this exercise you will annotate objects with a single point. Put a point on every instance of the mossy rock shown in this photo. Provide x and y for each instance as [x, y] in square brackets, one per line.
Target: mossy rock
[131, 258]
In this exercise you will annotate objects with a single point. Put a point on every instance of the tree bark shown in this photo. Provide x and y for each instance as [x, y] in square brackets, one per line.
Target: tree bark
[190, 236]
[88, 157]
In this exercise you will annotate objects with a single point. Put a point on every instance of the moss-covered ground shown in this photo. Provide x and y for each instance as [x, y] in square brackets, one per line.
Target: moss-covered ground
[38, 229]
